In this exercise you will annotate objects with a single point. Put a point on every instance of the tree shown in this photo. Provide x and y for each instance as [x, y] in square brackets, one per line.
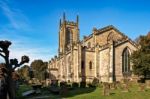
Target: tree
[39, 68]
[141, 57]
[10, 65]
[24, 72]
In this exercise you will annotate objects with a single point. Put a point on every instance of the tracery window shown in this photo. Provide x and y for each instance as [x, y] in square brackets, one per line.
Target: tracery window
[125, 61]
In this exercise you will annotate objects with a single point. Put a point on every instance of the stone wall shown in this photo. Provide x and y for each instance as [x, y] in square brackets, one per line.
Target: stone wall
[89, 72]
[104, 65]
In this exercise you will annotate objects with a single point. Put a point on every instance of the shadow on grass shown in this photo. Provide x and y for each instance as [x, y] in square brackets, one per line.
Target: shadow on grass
[78, 91]
[70, 92]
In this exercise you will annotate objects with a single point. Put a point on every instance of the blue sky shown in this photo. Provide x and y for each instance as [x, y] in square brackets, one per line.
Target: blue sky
[32, 25]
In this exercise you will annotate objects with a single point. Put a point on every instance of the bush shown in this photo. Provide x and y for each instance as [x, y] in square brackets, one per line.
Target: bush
[75, 85]
[82, 84]
[54, 83]
[68, 85]
[141, 80]
[62, 84]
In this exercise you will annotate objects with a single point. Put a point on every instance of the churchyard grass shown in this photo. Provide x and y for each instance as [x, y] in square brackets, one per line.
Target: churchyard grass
[96, 93]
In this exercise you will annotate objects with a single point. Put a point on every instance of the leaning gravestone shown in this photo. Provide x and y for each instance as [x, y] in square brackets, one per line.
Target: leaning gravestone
[106, 89]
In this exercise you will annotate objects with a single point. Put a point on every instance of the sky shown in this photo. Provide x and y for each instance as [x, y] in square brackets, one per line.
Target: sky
[32, 25]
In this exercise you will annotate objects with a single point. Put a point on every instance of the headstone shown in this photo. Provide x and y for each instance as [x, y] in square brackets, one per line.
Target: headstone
[148, 84]
[125, 84]
[118, 85]
[106, 89]
[113, 85]
[142, 87]
[125, 87]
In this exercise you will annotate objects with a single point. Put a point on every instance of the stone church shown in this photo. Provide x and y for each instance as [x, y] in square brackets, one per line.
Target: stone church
[104, 54]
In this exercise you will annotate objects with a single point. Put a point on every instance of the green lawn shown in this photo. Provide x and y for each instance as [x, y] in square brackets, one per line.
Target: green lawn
[115, 94]
[96, 93]
[22, 89]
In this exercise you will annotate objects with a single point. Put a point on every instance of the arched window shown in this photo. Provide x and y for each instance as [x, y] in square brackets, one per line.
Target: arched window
[125, 61]
[90, 65]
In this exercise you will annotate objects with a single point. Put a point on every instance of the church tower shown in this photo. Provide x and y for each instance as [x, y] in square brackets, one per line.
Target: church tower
[68, 34]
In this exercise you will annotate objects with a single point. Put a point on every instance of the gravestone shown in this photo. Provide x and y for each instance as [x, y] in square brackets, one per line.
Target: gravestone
[125, 87]
[106, 89]
[148, 84]
[113, 85]
[125, 84]
[118, 85]
[142, 87]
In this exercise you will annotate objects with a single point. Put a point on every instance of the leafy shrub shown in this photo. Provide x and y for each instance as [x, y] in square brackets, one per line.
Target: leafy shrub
[75, 85]
[82, 84]
[62, 84]
[54, 83]
[68, 85]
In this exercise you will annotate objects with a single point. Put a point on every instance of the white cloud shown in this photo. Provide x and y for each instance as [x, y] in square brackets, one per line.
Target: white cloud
[20, 48]
[23, 46]
[15, 16]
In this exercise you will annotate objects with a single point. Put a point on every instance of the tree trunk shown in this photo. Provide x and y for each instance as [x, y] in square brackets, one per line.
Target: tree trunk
[3, 88]
[10, 82]
[11, 87]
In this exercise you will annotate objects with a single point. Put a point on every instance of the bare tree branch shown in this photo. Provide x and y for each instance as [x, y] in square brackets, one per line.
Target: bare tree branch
[1, 50]
[2, 55]
[18, 65]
